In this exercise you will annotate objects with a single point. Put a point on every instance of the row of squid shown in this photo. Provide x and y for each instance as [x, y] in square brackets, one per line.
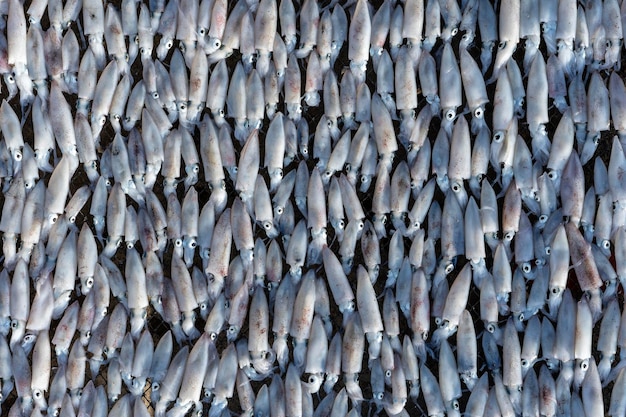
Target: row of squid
[341, 144]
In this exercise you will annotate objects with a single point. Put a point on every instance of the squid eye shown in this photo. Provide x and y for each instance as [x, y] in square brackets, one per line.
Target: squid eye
[478, 113]
[169, 44]
[521, 317]
[552, 175]
[11, 79]
[388, 373]
[178, 243]
[213, 336]
[305, 150]
[491, 328]
[193, 244]
[524, 363]
[201, 32]
[548, 251]
[54, 219]
[155, 95]
[555, 291]
[137, 39]
[498, 136]
[502, 45]
[543, 218]
[606, 244]
[312, 379]
[341, 224]
[89, 282]
[196, 169]
[183, 106]
[526, 268]
[454, 32]
[450, 114]
[217, 44]
[267, 225]
[584, 365]
[279, 210]
[456, 188]
[455, 404]
[449, 268]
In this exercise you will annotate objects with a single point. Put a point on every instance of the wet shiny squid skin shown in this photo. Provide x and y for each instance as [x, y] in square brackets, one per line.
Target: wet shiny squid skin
[333, 208]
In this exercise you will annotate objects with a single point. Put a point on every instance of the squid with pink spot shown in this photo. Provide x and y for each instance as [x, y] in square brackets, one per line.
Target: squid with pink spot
[381, 22]
[217, 26]
[265, 24]
[198, 84]
[359, 40]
